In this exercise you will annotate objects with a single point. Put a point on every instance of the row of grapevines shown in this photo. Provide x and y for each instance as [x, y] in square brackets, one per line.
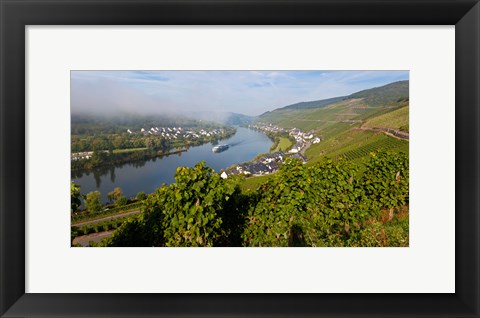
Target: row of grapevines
[106, 212]
[363, 151]
[98, 227]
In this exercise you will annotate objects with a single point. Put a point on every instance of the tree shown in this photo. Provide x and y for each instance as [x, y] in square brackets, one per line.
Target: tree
[116, 194]
[97, 144]
[99, 157]
[122, 201]
[149, 143]
[75, 196]
[118, 142]
[93, 202]
[141, 196]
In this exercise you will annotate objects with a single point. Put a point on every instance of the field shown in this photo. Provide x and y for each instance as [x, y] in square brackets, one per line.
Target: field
[128, 150]
[283, 145]
[253, 182]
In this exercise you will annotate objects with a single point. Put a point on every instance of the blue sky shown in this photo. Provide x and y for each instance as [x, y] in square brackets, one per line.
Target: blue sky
[246, 92]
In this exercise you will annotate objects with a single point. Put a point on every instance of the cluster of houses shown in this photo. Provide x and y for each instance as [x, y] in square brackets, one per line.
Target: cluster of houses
[178, 132]
[268, 128]
[270, 163]
[302, 139]
[265, 164]
[82, 155]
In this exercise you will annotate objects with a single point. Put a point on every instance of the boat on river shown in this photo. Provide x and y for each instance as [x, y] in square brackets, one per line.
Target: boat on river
[220, 148]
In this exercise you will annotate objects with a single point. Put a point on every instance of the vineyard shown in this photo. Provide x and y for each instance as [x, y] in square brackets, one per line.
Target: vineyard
[331, 203]
[396, 119]
[387, 143]
[340, 143]
[98, 227]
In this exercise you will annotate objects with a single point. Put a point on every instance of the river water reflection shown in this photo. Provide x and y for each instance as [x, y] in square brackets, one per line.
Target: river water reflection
[148, 175]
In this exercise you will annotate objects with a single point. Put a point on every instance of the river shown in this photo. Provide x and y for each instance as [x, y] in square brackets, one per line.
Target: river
[148, 175]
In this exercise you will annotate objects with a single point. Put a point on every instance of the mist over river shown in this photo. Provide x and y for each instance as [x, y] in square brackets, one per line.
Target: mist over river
[146, 176]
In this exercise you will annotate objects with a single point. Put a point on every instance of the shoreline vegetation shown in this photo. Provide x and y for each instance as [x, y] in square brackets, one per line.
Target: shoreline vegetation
[113, 149]
[105, 158]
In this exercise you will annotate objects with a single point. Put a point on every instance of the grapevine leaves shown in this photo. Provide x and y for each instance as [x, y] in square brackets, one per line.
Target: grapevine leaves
[327, 204]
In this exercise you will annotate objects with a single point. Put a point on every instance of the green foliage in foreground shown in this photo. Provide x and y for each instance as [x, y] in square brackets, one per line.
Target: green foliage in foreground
[75, 196]
[327, 204]
[199, 209]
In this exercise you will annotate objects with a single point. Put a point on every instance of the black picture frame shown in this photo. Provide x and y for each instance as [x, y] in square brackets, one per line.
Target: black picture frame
[16, 14]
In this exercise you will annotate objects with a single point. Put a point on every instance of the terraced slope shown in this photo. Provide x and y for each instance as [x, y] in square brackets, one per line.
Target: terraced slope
[397, 119]
[354, 144]
[317, 119]
[351, 127]
[356, 108]
[386, 143]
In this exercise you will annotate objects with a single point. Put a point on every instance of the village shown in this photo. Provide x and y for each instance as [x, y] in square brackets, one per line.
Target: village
[168, 133]
[81, 155]
[270, 163]
[302, 140]
[178, 132]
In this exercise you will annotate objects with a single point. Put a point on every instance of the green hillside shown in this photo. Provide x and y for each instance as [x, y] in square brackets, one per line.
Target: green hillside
[397, 119]
[350, 128]
[354, 109]
[354, 144]
[318, 118]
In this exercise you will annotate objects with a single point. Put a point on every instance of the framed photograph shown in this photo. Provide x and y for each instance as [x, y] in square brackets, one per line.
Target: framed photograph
[254, 158]
[200, 157]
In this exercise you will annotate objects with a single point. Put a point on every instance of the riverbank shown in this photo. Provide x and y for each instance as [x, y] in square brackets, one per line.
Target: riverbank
[148, 175]
[121, 157]
[105, 158]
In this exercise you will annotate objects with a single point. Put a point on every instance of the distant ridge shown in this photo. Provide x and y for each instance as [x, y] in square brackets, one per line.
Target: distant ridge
[384, 95]
[373, 97]
[313, 104]
[226, 118]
